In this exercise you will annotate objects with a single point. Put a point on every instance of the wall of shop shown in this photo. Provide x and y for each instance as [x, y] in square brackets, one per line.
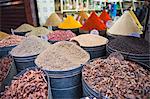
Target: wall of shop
[13, 13]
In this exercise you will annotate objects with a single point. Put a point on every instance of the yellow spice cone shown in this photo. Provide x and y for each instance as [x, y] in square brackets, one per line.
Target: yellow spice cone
[125, 25]
[70, 23]
[53, 20]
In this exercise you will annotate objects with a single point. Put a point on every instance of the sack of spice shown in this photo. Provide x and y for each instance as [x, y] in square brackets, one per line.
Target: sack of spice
[117, 78]
[39, 31]
[29, 84]
[63, 55]
[3, 35]
[89, 40]
[23, 29]
[7, 71]
[60, 35]
[11, 41]
[32, 45]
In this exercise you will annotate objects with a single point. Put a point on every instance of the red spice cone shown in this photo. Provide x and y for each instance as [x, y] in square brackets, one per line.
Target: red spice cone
[105, 16]
[93, 22]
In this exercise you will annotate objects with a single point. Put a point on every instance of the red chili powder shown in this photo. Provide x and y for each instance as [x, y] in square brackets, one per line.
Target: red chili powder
[93, 22]
[105, 16]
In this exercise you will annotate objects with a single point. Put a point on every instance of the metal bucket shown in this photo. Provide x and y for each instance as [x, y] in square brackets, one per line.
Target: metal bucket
[66, 84]
[144, 58]
[96, 51]
[5, 50]
[46, 76]
[88, 91]
[10, 74]
[24, 62]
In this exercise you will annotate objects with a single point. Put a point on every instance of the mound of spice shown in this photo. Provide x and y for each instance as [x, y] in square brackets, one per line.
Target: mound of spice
[93, 22]
[69, 23]
[62, 55]
[5, 64]
[82, 17]
[53, 20]
[89, 40]
[125, 25]
[3, 35]
[32, 45]
[132, 45]
[11, 40]
[31, 85]
[59, 35]
[117, 78]
[39, 31]
[105, 16]
[24, 28]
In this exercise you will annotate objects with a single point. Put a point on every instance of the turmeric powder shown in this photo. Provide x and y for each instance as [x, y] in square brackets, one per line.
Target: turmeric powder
[69, 23]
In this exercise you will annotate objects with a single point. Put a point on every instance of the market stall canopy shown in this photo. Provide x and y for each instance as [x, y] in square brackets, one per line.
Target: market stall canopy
[82, 17]
[125, 25]
[53, 20]
[93, 22]
[69, 23]
[105, 16]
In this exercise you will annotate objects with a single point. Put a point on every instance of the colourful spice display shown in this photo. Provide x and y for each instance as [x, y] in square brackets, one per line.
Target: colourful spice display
[82, 17]
[104, 16]
[3, 35]
[69, 23]
[5, 63]
[59, 35]
[30, 85]
[11, 40]
[93, 22]
[125, 25]
[53, 20]
[24, 28]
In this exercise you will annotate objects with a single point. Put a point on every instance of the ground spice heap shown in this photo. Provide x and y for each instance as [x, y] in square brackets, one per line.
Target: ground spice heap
[32, 45]
[125, 25]
[5, 63]
[130, 45]
[105, 16]
[3, 35]
[69, 23]
[60, 35]
[89, 40]
[53, 20]
[117, 78]
[11, 40]
[31, 85]
[83, 16]
[24, 28]
[39, 31]
[62, 55]
[93, 22]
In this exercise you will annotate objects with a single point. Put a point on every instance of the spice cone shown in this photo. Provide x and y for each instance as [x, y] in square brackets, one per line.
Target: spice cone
[104, 16]
[53, 20]
[125, 25]
[69, 23]
[93, 22]
[82, 16]
[3, 35]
